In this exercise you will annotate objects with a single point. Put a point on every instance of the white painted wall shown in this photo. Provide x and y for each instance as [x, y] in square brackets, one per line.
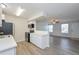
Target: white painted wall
[20, 27]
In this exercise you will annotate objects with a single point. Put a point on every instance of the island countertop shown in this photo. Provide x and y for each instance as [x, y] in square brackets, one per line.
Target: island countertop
[7, 42]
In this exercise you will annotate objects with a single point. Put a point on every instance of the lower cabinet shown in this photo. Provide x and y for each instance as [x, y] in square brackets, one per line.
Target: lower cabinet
[41, 41]
[11, 51]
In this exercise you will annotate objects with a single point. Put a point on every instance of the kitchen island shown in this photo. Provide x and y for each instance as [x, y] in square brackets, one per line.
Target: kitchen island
[40, 39]
[7, 45]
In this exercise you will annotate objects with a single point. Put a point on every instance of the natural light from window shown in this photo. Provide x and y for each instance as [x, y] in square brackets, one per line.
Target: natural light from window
[64, 28]
[50, 28]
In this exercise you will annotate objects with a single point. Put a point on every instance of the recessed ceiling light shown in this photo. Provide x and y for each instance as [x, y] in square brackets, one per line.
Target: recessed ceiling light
[3, 5]
[3, 16]
[19, 11]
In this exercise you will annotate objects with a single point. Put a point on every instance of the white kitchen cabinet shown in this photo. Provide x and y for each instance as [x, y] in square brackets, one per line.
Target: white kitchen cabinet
[11, 51]
[40, 39]
[7, 45]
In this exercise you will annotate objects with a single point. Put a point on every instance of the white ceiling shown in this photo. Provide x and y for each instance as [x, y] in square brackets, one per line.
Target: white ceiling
[60, 10]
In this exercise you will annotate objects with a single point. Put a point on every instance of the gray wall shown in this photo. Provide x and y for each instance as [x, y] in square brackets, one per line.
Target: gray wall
[42, 25]
[73, 30]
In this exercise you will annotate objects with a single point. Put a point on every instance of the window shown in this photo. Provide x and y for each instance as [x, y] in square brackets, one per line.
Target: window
[64, 28]
[50, 28]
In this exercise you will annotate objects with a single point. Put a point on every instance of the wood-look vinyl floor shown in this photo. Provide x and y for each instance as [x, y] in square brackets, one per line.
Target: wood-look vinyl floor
[58, 46]
[25, 48]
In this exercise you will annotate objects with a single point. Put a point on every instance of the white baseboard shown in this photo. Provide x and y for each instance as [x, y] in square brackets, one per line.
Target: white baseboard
[20, 40]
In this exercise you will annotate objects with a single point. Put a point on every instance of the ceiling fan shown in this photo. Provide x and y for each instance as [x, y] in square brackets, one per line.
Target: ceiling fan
[54, 20]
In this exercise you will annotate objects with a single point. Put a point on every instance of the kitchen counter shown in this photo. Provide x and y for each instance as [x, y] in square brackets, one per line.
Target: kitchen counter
[40, 39]
[7, 42]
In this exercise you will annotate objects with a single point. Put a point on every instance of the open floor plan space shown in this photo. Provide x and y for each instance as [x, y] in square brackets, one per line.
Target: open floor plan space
[39, 28]
[58, 46]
